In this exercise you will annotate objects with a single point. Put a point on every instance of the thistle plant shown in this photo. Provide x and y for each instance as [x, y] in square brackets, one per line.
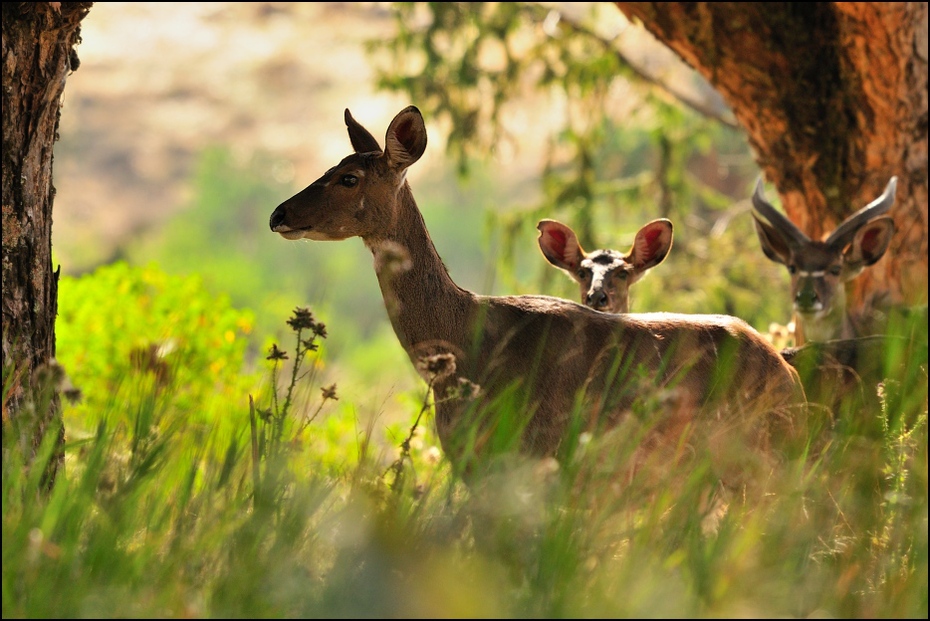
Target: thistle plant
[274, 428]
[432, 369]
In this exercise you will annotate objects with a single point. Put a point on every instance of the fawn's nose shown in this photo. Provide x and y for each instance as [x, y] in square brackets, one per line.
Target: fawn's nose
[596, 299]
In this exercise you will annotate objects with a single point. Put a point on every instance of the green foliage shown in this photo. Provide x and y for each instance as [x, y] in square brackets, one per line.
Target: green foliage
[265, 511]
[137, 340]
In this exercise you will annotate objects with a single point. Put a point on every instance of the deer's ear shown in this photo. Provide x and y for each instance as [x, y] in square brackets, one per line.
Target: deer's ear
[868, 246]
[361, 139]
[559, 245]
[773, 243]
[651, 244]
[405, 141]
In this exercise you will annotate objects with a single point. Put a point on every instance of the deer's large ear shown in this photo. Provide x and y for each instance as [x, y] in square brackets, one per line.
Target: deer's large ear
[777, 234]
[405, 141]
[868, 246]
[559, 245]
[361, 139]
[773, 242]
[651, 244]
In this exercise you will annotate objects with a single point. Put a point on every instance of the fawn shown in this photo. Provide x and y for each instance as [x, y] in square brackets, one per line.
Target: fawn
[605, 276]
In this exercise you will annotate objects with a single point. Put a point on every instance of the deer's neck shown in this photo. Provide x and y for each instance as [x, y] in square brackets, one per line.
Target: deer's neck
[428, 311]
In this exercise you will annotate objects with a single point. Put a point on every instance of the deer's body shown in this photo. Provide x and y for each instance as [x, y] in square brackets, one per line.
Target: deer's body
[551, 356]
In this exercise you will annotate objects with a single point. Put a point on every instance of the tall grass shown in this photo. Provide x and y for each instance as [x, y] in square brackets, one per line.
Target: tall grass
[241, 515]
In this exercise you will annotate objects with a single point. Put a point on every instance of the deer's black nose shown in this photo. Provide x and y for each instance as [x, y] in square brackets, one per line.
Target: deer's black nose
[806, 297]
[277, 218]
[597, 299]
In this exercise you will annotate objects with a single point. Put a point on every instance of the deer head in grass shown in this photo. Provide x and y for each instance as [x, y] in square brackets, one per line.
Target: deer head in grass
[605, 276]
[820, 269]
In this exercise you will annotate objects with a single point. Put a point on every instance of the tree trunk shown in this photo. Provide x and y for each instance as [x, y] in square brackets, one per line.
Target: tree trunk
[833, 97]
[38, 54]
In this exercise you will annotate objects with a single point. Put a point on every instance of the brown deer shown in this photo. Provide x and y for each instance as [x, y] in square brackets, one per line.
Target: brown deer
[605, 276]
[544, 367]
[839, 362]
[820, 269]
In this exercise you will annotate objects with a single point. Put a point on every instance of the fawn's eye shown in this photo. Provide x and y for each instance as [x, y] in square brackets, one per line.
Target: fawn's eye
[350, 181]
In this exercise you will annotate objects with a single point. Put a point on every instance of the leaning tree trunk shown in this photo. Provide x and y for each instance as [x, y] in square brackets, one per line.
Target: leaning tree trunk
[38, 54]
[833, 97]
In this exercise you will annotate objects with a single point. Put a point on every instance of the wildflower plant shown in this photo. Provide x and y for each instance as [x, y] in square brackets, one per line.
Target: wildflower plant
[433, 369]
[279, 426]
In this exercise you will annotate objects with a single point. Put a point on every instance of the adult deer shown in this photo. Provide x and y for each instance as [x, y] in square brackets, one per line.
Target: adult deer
[839, 362]
[820, 269]
[542, 363]
[605, 276]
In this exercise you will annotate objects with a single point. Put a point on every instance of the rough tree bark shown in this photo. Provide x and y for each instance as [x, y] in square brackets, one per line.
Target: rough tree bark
[38, 54]
[833, 97]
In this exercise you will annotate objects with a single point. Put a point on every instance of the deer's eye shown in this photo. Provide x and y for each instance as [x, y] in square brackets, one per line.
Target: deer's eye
[621, 275]
[792, 269]
[349, 181]
[583, 273]
[835, 270]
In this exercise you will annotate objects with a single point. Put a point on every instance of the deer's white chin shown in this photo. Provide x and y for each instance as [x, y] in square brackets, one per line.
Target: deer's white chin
[817, 312]
[311, 234]
[291, 235]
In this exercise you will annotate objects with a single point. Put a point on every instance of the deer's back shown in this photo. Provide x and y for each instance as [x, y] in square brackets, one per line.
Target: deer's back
[555, 354]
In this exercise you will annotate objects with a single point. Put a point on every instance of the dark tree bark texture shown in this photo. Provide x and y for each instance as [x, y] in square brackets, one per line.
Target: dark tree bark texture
[833, 97]
[38, 54]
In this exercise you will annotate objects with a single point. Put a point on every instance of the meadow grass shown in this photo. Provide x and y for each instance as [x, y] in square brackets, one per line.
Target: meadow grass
[163, 511]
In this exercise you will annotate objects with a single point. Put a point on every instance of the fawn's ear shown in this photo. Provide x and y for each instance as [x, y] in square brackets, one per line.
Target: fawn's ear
[361, 139]
[651, 244]
[868, 246]
[405, 140]
[559, 245]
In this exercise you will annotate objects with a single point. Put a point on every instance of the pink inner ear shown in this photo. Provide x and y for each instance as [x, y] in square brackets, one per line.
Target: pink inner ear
[869, 241]
[558, 241]
[651, 244]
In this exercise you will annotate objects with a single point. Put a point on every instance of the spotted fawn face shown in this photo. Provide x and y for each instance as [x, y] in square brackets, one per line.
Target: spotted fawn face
[605, 276]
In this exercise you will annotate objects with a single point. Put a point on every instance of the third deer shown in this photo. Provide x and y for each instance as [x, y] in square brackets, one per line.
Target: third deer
[840, 362]
[820, 269]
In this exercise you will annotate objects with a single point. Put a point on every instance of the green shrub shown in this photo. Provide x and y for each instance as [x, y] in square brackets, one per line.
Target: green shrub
[124, 329]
